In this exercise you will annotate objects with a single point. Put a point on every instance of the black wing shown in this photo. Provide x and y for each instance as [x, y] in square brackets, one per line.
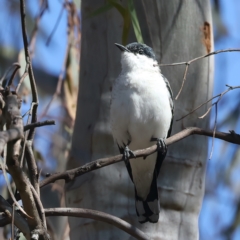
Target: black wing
[161, 156]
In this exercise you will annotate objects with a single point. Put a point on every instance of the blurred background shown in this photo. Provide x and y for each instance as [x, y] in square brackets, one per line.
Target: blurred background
[54, 30]
[220, 214]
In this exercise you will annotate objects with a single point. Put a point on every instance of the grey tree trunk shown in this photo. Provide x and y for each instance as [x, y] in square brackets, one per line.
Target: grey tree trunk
[178, 31]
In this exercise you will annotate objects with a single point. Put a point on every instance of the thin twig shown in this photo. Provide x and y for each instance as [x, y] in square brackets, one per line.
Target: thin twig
[19, 221]
[196, 59]
[44, 6]
[220, 95]
[29, 135]
[39, 124]
[99, 216]
[71, 174]
[184, 79]
[39, 206]
[61, 75]
[7, 71]
[5, 137]
[12, 224]
[9, 82]
[32, 166]
[56, 25]
[30, 70]
[26, 136]
[214, 131]
[2, 164]
[22, 78]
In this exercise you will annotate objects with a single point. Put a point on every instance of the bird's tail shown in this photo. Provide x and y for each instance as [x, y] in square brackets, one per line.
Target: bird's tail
[148, 209]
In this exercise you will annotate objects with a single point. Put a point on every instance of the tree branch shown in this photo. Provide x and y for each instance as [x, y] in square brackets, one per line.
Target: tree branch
[219, 96]
[69, 175]
[9, 135]
[9, 82]
[39, 124]
[19, 221]
[194, 60]
[99, 216]
[14, 120]
[30, 70]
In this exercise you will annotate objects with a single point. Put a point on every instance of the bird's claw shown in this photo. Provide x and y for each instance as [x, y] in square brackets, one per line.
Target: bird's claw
[161, 145]
[127, 154]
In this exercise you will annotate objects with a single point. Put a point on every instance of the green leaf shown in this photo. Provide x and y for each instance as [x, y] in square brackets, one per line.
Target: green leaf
[100, 10]
[135, 22]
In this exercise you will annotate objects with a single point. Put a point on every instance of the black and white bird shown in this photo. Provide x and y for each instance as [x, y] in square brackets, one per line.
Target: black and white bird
[142, 112]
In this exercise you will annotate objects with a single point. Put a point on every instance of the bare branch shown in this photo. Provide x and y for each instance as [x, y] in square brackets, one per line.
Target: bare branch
[43, 7]
[56, 24]
[10, 189]
[9, 82]
[32, 166]
[184, 79]
[99, 216]
[69, 175]
[30, 70]
[220, 95]
[39, 124]
[9, 135]
[214, 131]
[8, 70]
[22, 78]
[61, 75]
[19, 221]
[26, 134]
[12, 223]
[14, 120]
[39, 206]
[194, 60]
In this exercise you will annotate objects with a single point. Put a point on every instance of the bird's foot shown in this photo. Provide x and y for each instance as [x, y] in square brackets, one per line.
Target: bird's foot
[127, 154]
[161, 145]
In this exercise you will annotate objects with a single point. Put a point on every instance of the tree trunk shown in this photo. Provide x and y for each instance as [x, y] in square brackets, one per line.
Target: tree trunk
[178, 31]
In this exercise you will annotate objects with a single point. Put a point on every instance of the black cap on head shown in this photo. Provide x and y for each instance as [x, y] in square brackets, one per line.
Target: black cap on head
[138, 48]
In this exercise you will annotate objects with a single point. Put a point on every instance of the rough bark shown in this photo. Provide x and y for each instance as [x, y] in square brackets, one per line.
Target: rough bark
[177, 31]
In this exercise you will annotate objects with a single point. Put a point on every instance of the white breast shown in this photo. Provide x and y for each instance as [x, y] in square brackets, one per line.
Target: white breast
[140, 110]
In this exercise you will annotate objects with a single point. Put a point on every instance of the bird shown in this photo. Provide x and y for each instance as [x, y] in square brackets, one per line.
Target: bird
[141, 112]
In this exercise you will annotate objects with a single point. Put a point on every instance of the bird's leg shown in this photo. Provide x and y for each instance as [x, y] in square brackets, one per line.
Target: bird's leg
[161, 145]
[127, 153]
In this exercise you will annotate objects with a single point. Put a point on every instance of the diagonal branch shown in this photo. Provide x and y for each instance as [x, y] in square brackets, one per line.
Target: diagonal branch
[39, 124]
[99, 216]
[219, 96]
[69, 175]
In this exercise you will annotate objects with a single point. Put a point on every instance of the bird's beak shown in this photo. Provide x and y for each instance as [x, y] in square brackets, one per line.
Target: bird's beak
[121, 47]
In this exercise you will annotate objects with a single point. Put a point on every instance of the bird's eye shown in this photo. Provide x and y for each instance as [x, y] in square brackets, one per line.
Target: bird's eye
[140, 51]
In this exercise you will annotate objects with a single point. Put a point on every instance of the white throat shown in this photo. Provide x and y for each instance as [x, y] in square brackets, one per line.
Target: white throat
[131, 61]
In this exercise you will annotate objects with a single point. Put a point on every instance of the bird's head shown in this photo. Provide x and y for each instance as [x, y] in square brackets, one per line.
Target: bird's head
[137, 55]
